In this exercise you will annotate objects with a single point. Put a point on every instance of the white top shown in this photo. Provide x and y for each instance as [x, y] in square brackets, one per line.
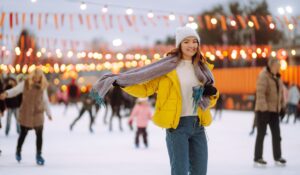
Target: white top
[19, 89]
[294, 95]
[187, 79]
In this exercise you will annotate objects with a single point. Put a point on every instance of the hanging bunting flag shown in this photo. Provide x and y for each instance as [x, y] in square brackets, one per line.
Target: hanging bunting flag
[241, 21]
[56, 21]
[31, 18]
[208, 23]
[71, 22]
[256, 24]
[120, 23]
[39, 21]
[143, 20]
[181, 20]
[134, 22]
[17, 19]
[62, 17]
[280, 21]
[2, 19]
[111, 21]
[128, 20]
[96, 21]
[104, 21]
[23, 19]
[88, 21]
[166, 20]
[152, 22]
[223, 23]
[286, 20]
[46, 18]
[80, 19]
[269, 18]
[200, 22]
[11, 18]
[294, 21]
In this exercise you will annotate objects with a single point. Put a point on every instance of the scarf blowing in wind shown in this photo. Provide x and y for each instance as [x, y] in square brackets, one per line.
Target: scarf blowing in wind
[151, 71]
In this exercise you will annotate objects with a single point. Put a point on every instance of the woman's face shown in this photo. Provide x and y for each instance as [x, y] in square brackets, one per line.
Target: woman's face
[189, 47]
[36, 78]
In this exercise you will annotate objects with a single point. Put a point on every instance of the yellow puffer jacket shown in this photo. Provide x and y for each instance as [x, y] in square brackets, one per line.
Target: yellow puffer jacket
[168, 102]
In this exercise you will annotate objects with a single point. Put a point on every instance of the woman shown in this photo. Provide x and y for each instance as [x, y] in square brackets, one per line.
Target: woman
[184, 85]
[35, 101]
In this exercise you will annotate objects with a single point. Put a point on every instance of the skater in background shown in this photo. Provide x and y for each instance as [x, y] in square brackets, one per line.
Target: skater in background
[292, 102]
[32, 110]
[183, 104]
[73, 94]
[219, 107]
[87, 105]
[12, 105]
[269, 103]
[141, 114]
[2, 103]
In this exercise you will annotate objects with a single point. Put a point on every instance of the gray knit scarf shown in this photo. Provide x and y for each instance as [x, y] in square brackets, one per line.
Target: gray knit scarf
[149, 72]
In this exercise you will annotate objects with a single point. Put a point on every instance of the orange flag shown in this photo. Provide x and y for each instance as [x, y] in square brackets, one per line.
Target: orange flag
[2, 19]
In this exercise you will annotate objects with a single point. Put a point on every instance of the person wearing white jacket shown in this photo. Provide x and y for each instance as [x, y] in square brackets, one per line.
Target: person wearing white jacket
[293, 100]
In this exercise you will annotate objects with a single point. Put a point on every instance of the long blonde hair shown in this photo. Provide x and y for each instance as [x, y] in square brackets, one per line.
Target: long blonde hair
[196, 58]
[43, 82]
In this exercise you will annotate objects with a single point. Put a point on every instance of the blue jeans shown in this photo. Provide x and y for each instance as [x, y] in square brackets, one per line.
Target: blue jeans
[187, 147]
[10, 112]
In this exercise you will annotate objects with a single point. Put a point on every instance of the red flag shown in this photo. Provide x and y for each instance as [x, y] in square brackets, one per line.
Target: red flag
[134, 22]
[11, 15]
[166, 19]
[181, 20]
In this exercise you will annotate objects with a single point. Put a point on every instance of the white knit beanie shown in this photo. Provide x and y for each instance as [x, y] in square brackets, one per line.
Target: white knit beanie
[184, 32]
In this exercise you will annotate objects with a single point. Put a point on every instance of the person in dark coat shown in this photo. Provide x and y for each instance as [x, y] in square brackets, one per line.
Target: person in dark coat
[12, 105]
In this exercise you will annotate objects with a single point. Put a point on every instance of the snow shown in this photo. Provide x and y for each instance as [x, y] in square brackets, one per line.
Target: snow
[79, 152]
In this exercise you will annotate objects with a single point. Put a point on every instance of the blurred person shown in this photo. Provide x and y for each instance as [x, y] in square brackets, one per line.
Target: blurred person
[183, 104]
[32, 110]
[219, 107]
[269, 103]
[141, 113]
[87, 105]
[292, 102]
[73, 94]
[12, 105]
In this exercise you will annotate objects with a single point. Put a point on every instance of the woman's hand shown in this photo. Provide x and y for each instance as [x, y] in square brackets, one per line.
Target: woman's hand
[209, 90]
[3, 96]
[50, 117]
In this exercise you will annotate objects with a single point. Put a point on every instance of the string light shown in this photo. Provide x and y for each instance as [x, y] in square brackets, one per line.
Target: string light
[105, 9]
[129, 11]
[214, 21]
[33, 1]
[83, 6]
[272, 26]
[150, 14]
[250, 24]
[233, 23]
[172, 17]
